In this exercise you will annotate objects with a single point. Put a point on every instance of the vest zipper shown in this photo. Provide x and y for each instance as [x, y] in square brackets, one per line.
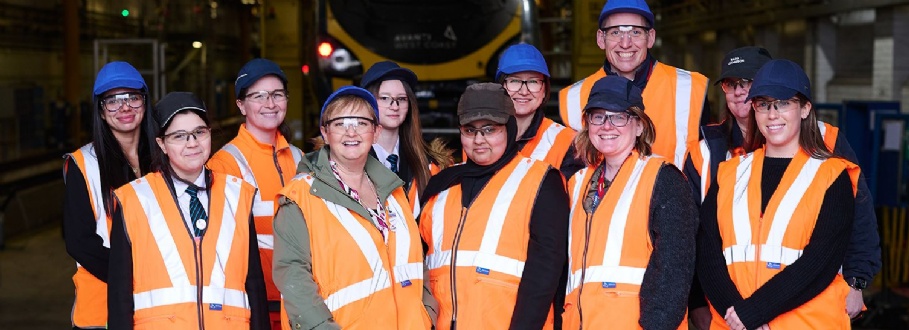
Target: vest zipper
[587, 225]
[274, 156]
[452, 269]
[198, 256]
[757, 252]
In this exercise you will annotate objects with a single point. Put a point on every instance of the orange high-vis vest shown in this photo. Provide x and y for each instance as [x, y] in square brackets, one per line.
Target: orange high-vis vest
[174, 279]
[617, 240]
[700, 154]
[757, 247]
[264, 166]
[490, 237]
[90, 307]
[673, 98]
[367, 281]
[550, 143]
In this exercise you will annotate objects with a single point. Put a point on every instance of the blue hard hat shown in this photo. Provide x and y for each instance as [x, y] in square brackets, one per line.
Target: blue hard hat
[254, 70]
[118, 75]
[780, 79]
[355, 91]
[521, 57]
[639, 7]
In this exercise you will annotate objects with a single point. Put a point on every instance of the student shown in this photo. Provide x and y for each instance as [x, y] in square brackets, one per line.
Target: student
[770, 241]
[632, 245]
[120, 151]
[347, 250]
[496, 227]
[183, 242]
[261, 155]
[399, 137]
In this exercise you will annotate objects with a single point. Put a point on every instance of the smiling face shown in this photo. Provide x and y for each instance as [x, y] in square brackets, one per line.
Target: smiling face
[526, 102]
[127, 119]
[615, 143]
[781, 129]
[626, 54]
[347, 142]
[263, 118]
[484, 148]
[187, 158]
[392, 115]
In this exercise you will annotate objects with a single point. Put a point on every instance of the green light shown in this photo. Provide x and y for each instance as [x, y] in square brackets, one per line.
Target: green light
[125, 13]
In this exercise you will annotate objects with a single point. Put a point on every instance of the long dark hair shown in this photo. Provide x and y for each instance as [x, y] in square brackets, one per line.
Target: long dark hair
[114, 168]
[414, 148]
[810, 138]
[160, 161]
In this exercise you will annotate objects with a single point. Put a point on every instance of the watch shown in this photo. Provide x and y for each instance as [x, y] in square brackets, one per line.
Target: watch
[857, 283]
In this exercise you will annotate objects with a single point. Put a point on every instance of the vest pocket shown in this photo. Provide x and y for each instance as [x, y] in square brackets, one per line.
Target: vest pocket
[497, 299]
[155, 322]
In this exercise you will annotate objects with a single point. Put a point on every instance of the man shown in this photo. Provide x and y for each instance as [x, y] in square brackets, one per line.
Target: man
[673, 97]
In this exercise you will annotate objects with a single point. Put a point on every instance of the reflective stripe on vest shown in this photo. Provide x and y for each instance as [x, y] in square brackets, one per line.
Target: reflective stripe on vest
[610, 269]
[486, 256]
[546, 141]
[380, 279]
[183, 291]
[88, 164]
[682, 112]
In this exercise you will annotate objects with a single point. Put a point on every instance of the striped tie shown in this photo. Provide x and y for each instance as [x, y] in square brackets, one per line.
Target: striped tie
[196, 212]
[393, 160]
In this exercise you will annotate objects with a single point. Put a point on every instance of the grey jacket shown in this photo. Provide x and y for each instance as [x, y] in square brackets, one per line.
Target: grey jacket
[293, 258]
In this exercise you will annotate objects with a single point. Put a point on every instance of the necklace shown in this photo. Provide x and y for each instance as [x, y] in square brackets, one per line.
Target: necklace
[135, 170]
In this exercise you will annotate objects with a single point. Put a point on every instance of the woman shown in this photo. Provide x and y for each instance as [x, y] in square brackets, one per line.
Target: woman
[120, 151]
[414, 161]
[183, 241]
[523, 72]
[347, 250]
[770, 241]
[495, 226]
[726, 140]
[632, 233]
[261, 155]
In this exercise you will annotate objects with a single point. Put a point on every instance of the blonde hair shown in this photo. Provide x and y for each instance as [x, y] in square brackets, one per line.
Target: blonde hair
[642, 144]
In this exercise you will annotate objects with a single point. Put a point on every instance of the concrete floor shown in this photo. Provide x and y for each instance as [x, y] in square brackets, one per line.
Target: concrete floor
[36, 288]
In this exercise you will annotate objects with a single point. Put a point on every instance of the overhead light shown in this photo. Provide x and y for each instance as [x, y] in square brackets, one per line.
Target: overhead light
[197, 44]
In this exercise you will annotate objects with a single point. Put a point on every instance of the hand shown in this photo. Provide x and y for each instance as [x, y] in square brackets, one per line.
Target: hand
[854, 303]
[732, 319]
[700, 317]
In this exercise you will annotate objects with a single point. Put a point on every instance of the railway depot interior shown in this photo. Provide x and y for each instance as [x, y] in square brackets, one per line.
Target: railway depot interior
[855, 53]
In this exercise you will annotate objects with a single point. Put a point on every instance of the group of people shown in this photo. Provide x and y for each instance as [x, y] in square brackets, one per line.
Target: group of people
[737, 225]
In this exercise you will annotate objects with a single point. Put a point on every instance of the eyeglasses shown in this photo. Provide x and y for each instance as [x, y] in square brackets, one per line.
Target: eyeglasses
[386, 101]
[616, 33]
[341, 125]
[600, 118]
[485, 131]
[781, 106]
[114, 102]
[278, 95]
[515, 84]
[730, 85]
[182, 137]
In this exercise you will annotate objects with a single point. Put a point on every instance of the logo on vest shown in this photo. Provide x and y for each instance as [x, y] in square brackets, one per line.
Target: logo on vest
[773, 265]
[214, 307]
[484, 271]
[608, 285]
[405, 283]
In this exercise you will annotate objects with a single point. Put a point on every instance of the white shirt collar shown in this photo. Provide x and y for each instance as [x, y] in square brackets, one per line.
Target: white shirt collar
[180, 187]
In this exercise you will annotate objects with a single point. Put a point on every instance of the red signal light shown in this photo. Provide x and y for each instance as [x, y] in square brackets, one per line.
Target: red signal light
[305, 69]
[325, 49]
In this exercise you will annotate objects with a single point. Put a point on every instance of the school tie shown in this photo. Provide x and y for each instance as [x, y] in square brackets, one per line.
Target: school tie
[393, 159]
[196, 211]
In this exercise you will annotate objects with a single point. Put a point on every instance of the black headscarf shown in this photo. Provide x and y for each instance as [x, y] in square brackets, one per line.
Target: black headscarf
[471, 176]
